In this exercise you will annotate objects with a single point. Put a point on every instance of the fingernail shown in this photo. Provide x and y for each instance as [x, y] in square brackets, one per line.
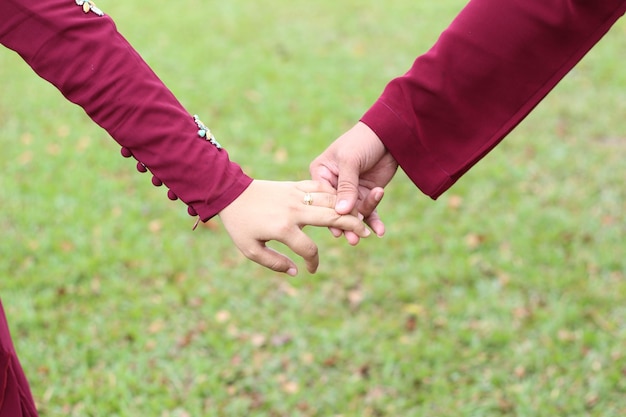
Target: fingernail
[292, 272]
[367, 233]
[342, 205]
[379, 196]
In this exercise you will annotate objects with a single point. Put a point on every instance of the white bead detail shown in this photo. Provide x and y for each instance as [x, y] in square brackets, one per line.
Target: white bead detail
[89, 6]
[205, 133]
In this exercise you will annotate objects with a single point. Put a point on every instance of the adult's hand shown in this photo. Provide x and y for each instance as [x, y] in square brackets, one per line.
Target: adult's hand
[270, 210]
[359, 166]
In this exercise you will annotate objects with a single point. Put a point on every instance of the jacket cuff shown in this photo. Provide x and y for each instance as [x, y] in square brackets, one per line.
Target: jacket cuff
[404, 145]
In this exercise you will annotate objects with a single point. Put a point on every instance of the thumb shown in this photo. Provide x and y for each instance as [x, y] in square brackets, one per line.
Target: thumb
[347, 187]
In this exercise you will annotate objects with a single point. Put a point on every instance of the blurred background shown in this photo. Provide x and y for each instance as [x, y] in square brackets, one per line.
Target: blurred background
[504, 297]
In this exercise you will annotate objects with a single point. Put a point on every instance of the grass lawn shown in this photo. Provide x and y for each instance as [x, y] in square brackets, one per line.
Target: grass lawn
[506, 297]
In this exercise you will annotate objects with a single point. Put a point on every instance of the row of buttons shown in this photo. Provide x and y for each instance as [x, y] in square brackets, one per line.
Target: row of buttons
[203, 133]
[127, 153]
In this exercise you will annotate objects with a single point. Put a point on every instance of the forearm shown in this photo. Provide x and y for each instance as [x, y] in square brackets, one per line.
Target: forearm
[93, 66]
[487, 71]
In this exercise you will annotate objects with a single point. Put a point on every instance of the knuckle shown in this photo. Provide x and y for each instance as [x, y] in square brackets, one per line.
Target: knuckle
[277, 265]
[283, 229]
[311, 251]
[313, 166]
[346, 186]
[251, 252]
[350, 224]
[332, 217]
[330, 200]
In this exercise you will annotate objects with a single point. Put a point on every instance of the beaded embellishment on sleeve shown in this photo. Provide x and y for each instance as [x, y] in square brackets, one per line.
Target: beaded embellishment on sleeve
[89, 6]
[205, 133]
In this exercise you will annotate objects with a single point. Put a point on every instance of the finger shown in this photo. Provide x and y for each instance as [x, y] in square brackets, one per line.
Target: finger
[368, 205]
[269, 258]
[322, 200]
[319, 199]
[368, 209]
[322, 173]
[352, 238]
[335, 232]
[322, 195]
[347, 187]
[328, 217]
[303, 245]
[375, 223]
[311, 186]
[326, 200]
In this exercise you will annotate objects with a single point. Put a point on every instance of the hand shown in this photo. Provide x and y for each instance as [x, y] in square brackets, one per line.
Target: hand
[359, 166]
[269, 210]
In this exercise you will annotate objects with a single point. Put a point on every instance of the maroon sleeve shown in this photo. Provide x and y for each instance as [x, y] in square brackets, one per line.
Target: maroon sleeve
[16, 399]
[494, 63]
[84, 56]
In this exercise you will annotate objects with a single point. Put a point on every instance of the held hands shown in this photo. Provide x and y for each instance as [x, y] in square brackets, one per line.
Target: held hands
[349, 176]
[269, 210]
[358, 166]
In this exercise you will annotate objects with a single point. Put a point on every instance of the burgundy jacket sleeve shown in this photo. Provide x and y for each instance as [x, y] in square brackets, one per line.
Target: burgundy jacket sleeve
[84, 56]
[494, 63]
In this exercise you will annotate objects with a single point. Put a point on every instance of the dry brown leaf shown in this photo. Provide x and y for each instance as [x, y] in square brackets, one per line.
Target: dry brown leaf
[455, 202]
[281, 155]
[258, 340]
[355, 297]
[291, 387]
[474, 240]
[222, 316]
[156, 326]
[281, 339]
[155, 226]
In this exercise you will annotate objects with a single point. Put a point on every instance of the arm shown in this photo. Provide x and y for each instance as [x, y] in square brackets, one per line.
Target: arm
[82, 54]
[488, 70]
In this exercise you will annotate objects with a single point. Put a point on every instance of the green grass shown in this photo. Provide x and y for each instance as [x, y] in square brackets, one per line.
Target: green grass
[504, 298]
